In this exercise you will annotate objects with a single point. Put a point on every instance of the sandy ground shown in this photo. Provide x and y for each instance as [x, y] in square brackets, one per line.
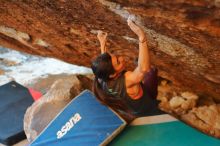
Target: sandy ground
[33, 71]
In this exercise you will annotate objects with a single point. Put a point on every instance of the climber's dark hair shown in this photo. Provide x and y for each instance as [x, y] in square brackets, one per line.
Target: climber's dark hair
[102, 66]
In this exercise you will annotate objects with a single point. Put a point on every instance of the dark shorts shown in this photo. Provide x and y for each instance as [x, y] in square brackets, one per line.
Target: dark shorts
[150, 82]
[150, 85]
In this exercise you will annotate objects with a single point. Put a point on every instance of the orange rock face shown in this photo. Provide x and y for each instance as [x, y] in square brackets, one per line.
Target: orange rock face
[183, 35]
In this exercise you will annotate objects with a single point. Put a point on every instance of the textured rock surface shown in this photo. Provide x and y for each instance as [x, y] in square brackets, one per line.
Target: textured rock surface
[200, 112]
[205, 118]
[39, 115]
[183, 34]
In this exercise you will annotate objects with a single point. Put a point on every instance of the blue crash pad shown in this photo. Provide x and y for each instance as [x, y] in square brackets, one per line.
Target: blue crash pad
[83, 122]
[14, 101]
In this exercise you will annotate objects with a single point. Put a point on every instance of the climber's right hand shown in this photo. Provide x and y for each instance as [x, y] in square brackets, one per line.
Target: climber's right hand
[136, 29]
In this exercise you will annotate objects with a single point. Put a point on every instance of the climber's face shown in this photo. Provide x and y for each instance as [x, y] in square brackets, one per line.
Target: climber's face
[118, 63]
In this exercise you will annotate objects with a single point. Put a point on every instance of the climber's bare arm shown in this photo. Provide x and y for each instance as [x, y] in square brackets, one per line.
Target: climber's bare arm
[102, 40]
[136, 76]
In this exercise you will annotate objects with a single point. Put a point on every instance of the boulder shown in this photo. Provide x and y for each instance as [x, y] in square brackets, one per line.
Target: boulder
[176, 101]
[40, 114]
[205, 118]
[173, 100]
[200, 112]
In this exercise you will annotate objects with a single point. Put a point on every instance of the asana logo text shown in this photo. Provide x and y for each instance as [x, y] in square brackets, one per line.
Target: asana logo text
[69, 125]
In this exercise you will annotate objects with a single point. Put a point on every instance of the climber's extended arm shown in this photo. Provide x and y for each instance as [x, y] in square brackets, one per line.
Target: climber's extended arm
[102, 40]
[136, 76]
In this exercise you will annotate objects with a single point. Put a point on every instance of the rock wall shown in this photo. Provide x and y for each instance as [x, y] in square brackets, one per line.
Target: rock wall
[44, 110]
[184, 35]
[200, 112]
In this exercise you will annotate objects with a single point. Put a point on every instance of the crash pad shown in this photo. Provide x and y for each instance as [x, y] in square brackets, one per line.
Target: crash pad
[84, 121]
[162, 130]
[14, 100]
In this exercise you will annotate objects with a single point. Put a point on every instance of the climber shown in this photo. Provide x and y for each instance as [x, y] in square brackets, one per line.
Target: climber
[127, 92]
